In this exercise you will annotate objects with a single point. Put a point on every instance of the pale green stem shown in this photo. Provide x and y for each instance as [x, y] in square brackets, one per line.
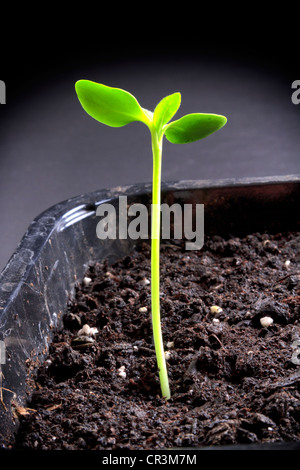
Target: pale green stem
[155, 262]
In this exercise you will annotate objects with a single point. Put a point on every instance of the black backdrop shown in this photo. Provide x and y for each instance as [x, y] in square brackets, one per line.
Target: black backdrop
[237, 61]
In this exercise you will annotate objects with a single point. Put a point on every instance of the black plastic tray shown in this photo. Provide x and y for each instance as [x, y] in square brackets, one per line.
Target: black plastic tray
[59, 244]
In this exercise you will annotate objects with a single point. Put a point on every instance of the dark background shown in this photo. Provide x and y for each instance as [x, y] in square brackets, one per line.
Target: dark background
[239, 62]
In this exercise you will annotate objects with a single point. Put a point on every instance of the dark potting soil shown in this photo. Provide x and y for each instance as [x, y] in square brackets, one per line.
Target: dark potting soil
[232, 379]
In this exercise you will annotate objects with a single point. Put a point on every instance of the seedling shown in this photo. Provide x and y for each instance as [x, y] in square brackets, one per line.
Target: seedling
[116, 108]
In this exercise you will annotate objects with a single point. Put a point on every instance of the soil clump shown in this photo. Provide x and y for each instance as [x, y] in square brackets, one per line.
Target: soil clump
[232, 379]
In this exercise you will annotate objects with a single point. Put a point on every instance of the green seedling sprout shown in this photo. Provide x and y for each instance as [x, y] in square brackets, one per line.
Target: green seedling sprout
[116, 108]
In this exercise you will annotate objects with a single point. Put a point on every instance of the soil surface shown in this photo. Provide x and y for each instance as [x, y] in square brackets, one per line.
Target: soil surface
[232, 379]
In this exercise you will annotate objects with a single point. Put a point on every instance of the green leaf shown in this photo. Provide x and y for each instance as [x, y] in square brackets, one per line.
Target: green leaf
[193, 127]
[111, 106]
[166, 109]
